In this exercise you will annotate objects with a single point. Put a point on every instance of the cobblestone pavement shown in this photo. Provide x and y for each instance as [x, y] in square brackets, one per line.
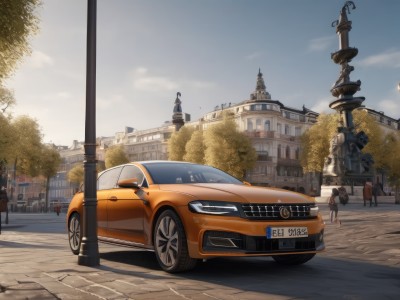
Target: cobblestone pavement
[362, 261]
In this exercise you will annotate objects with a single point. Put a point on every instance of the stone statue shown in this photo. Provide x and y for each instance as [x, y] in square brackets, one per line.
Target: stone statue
[178, 102]
[344, 74]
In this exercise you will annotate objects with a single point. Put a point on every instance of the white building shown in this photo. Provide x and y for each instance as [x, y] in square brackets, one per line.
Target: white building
[273, 128]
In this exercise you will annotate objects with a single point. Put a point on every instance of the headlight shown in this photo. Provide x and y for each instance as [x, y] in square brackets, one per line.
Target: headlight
[214, 208]
[314, 211]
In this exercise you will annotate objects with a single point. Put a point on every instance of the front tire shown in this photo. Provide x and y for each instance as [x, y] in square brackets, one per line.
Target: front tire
[293, 259]
[74, 233]
[170, 244]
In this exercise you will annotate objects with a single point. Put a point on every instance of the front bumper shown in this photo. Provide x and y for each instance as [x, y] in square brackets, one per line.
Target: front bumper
[217, 241]
[217, 236]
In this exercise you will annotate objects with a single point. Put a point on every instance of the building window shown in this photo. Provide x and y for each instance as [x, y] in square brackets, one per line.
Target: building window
[287, 130]
[287, 152]
[279, 127]
[279, 151]
[297, 153]
[258, 124]
[267, 125]
[298, 131]
[249, 125]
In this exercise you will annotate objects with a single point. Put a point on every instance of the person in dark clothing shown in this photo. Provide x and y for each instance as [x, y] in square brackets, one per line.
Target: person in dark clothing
[376, 191]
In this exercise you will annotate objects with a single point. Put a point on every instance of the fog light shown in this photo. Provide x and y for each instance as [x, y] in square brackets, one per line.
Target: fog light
[221, 242]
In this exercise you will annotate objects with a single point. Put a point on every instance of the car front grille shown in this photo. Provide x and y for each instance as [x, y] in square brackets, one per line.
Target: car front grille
[256, 211]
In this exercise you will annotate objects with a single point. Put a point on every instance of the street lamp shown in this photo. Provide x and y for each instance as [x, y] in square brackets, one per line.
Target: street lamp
[89, 251]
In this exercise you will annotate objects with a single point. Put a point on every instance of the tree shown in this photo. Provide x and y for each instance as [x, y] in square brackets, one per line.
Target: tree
[391, 162]
[365, 122]
[6, 138]
[6, 99]
[194, 149]
[115, 156]
[315, 142]
[177, 143]
[49, 162]
[18, 22]
[27, 146]
[228, 149]
[76, 174]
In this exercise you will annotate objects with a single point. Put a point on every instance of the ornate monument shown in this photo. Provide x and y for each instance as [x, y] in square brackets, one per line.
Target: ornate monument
[177, 117]
[346, 164]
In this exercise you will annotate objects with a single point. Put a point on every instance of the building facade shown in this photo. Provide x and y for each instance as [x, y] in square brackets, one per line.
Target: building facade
[273, 128]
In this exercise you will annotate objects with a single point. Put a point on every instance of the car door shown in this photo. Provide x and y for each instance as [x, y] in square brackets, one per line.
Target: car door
[105, 183]
[126, 210]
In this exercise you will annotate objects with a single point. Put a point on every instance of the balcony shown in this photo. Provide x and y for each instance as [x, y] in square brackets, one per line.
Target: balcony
[287, 162]
[260, 134]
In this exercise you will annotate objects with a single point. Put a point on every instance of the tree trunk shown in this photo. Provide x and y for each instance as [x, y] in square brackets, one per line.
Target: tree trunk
[47, 193]
[396, 195]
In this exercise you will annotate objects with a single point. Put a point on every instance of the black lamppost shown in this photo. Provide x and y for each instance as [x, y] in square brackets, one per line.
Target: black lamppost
[89, 252]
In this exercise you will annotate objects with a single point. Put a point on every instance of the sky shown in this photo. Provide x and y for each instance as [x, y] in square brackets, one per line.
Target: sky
[208, 50]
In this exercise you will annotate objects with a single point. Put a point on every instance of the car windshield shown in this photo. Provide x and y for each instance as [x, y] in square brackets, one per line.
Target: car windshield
[181, 173]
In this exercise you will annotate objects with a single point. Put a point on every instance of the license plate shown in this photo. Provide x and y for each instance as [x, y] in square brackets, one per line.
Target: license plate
[286, 232]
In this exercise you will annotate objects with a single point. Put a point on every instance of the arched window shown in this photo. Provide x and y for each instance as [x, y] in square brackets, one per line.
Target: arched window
[258, 124]
[287, 152]
[267, 125]
[297, 153]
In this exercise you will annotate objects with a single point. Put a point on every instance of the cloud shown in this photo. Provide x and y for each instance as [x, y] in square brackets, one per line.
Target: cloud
[389, 106]
[110, 102]
[39, 60]
[143, 81]
[321, 44]
[322, 106]
[64, 95]
[254, 55]
[389, 58]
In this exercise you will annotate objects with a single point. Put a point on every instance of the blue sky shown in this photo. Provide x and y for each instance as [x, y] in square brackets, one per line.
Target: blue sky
[209, 50]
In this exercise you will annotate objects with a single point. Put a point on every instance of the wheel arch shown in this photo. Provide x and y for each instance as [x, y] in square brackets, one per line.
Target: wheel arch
[157, 215]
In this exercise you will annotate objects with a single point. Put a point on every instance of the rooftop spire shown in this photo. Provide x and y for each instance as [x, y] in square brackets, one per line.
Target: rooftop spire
[260, 93]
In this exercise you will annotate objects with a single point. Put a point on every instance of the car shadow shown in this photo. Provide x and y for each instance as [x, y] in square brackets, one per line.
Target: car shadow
[265, 276]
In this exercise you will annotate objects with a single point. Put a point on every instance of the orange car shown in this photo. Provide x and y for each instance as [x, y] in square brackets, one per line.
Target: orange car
[186, 212]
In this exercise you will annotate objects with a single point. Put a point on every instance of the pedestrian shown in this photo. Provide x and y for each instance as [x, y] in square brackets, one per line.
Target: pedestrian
[376, 191]
[333, 207]
[3, 202]
[367, 193]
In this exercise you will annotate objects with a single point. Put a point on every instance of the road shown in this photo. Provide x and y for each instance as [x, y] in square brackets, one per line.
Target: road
[362, 261]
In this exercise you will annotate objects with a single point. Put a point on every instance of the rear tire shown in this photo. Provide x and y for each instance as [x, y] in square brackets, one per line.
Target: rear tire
[293, 259]
[170, 244]
[74, 233]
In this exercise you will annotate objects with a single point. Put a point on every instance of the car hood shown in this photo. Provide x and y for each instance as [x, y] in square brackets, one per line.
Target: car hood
[237, 193]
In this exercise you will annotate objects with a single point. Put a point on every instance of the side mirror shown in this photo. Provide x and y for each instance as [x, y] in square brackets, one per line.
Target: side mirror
[247, 183]
[129, 183]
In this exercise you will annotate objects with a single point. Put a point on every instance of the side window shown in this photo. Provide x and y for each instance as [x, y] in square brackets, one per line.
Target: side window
[108, 180]
[132, 172]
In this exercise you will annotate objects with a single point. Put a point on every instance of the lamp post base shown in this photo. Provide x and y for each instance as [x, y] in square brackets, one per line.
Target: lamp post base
[89, 254]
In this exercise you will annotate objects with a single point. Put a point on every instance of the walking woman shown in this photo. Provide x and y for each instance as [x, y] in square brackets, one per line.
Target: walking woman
[333, 207]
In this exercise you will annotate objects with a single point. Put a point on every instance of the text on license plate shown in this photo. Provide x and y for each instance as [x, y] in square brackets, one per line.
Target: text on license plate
[286, 232]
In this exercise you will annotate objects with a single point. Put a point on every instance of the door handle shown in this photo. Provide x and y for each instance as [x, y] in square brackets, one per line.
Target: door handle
[113, 198]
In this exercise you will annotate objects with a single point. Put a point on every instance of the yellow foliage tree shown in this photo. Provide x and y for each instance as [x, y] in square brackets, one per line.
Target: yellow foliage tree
[194, 149]
[315, 142]
[365, 122]
[177, 143]
[115, 156]
[228, 149]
